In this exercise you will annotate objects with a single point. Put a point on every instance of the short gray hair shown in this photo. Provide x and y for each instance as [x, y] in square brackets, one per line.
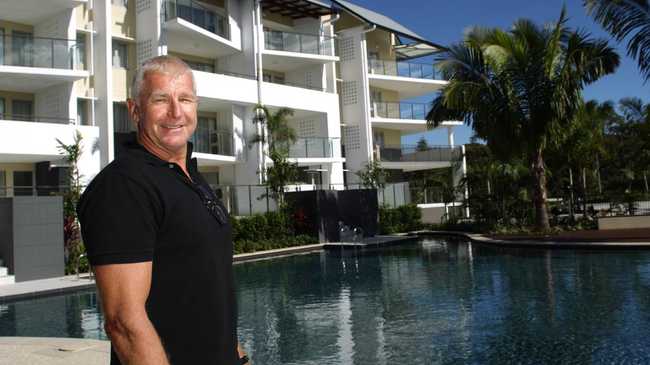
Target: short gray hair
[162, 64]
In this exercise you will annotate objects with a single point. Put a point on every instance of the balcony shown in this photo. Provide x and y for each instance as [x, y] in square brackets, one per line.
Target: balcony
[286, 51]
[408, 79]
[213, 148]
[411, 157]
[197, 30]
[35, 119]
[28, 64]
[400, 115]
[33, 12]
[316, 147]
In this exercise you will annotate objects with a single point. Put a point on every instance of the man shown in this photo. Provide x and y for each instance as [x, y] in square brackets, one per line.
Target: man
[158, 239]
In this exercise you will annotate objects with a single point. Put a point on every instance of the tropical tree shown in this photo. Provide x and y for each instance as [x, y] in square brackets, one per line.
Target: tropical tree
[626, 19]
[73, 244]
[520, 90]
[372, 175]
[279, 137]
[422, 145]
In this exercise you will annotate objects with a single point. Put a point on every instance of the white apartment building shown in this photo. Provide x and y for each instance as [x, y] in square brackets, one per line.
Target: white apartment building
[67, 67]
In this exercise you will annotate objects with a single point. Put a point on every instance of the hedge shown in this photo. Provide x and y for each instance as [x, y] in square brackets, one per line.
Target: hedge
[402, 219]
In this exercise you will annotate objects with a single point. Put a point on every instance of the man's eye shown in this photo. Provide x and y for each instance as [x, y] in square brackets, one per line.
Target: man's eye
[188, 100]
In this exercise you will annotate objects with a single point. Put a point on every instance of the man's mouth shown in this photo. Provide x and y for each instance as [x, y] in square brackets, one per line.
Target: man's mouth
[172, 126]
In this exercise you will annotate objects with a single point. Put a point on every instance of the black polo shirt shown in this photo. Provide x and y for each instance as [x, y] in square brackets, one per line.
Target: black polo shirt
[141, 208]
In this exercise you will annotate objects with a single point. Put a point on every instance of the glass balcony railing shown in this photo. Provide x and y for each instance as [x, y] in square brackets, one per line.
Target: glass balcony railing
[404, 69]
[297, 42]
[400, 110]
[413, 153]
[198, 15]
[215, 143]
[313, 148]
[27, 51]
[35, 118]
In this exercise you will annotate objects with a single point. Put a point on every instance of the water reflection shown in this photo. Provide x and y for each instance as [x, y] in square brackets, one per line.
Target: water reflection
[74, 315]
[435, 302]
[447, 303]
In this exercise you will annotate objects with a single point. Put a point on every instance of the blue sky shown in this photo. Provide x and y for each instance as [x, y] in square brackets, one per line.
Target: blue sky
[443, 22]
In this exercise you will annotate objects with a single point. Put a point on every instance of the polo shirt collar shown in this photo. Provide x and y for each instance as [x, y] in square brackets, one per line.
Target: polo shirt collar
[135, 148]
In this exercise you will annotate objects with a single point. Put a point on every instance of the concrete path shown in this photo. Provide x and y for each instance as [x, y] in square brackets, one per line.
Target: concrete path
[36, 288]
[53, 351]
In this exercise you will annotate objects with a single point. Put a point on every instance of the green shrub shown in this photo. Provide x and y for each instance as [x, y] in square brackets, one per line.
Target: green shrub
[266, 231]
[402, 219]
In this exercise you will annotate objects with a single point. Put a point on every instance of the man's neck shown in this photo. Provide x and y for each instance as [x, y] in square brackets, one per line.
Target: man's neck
[178, 157]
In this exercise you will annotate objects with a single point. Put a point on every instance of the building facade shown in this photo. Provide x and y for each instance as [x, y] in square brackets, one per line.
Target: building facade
[342, 69]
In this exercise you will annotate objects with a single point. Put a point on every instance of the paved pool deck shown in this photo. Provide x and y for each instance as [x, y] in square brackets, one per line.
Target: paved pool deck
[53, 351]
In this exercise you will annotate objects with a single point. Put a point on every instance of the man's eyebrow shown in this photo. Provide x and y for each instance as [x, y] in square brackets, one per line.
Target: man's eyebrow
[157, 94]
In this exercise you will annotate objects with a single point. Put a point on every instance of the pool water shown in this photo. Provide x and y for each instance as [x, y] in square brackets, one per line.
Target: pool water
[433, 302]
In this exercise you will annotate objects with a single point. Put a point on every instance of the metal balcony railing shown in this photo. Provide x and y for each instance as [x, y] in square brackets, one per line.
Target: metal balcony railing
[35, 118]
[404, 69]
[400, 110]
[198, 15]
[414, 153]
[28, 51]
[216, 143]
[297, 42]
[316, 147]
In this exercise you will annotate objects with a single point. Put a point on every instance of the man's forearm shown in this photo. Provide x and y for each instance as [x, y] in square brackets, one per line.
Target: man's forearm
[137, 344]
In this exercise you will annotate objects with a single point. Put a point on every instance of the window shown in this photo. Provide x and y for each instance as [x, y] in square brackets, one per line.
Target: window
[2, 108]
[82, 112]
[123, 3]
[121, 122]
[80, 52]
[21, 49]
[120, 54]
[22, 110]
[23, 183]
[3, 183]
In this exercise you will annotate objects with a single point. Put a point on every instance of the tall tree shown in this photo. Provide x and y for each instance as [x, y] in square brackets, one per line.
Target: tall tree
[626, 19]
[520, 89]
[279, 137]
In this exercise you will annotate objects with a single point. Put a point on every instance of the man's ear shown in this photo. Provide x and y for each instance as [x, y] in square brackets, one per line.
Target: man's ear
[134, 110]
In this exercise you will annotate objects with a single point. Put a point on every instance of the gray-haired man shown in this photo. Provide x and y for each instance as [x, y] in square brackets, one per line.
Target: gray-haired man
[157, 237]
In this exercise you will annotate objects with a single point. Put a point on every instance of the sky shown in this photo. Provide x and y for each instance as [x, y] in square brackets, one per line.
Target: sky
[443, 22]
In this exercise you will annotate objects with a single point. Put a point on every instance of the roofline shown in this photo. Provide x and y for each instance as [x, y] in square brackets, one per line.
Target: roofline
[335, 2]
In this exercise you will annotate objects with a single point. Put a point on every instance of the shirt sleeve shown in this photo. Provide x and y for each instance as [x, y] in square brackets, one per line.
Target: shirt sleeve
[118, 221]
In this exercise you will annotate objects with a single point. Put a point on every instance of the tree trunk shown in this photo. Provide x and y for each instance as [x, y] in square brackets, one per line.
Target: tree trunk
[539, 191]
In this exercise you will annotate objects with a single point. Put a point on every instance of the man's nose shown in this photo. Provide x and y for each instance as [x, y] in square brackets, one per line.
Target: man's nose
[175, 108]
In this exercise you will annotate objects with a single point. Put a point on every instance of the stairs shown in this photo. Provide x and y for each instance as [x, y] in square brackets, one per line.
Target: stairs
[5, 278]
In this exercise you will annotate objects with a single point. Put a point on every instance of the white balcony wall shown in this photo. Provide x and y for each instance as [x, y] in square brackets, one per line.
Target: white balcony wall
[60, 26]
[56, 101]
[355, 100]
[310, 77]
[242, 62]
[31, 142]
[235, 10]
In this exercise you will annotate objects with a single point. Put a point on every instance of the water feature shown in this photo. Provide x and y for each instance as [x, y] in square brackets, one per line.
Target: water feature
[434, 302]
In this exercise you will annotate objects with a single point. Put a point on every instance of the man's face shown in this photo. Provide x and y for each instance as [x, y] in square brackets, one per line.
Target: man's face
[166, 114]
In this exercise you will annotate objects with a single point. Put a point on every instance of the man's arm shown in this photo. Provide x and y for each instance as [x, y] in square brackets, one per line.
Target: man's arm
[124, 289]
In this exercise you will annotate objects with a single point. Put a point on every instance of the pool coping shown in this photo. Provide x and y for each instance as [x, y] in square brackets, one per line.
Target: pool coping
[528, 243]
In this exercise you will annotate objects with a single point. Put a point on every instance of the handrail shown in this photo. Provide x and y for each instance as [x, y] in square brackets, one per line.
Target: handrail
[403, 69]
[297, 42]
[45, 52]
[218, 24]
[313, 147]
[35, 118]
[414, 153]
[400, 110]
[205, 143]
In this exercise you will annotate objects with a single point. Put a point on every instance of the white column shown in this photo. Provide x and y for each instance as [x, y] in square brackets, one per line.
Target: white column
[103, 76]
[450, 136]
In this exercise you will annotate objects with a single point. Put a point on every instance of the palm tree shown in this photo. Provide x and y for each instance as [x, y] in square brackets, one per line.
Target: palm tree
[520, 89]
[626, 19]
[279, 137]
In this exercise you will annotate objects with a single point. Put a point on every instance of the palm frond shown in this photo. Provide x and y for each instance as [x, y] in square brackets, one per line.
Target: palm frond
[626, 19]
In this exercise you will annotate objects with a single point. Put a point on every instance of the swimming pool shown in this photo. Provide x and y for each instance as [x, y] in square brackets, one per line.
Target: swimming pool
[434, 302]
